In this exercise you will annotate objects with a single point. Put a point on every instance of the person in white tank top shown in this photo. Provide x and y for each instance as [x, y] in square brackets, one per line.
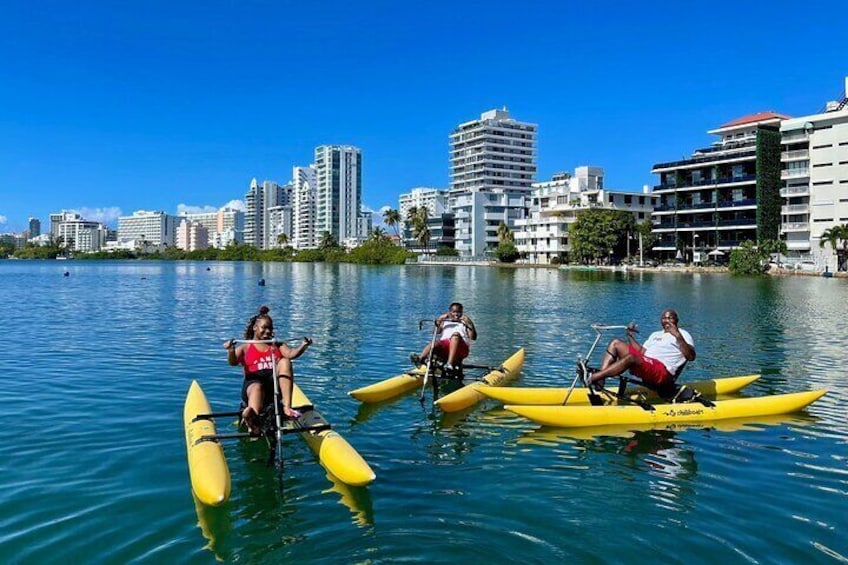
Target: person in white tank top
[456, 332]
[656, 361]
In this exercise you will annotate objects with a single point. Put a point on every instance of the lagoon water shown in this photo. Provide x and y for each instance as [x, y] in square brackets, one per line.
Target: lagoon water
[97, 365]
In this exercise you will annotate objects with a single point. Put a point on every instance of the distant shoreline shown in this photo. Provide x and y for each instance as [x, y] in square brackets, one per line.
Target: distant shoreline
[623, 269]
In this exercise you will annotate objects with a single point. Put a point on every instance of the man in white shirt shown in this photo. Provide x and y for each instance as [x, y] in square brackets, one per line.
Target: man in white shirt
[656, 362]
[456, 331]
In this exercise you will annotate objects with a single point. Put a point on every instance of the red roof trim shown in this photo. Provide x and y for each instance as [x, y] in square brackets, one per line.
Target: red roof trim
[753, 118]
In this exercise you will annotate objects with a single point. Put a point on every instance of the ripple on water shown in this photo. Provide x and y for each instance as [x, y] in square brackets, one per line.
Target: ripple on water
[97, 454]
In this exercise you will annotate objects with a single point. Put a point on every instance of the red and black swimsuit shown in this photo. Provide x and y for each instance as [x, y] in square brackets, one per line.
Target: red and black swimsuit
[259, 368]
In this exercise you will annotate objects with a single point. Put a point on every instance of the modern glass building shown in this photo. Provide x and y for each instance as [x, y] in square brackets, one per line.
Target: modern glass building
[723, 194]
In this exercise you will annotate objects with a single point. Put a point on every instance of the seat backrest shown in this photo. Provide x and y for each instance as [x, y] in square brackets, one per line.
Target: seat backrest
[679, 371]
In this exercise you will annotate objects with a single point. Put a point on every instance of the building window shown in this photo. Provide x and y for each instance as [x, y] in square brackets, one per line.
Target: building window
[819, 165]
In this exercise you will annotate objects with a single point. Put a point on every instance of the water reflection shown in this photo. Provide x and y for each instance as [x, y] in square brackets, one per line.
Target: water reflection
[356, 499]
[471, 465]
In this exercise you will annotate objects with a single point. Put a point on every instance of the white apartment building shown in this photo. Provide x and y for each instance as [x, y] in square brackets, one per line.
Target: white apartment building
[493, 165]
[555, 204]
[338, 193]
[192, 236]
[259, 199]
[304, 234]
[279, 224]
[434, 199]
[76, 233]
[224, 226]
[814, 171]
[156, 228]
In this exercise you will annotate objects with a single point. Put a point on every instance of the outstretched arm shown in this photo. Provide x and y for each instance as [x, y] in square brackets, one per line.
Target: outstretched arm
[295, 352]
[233, 352]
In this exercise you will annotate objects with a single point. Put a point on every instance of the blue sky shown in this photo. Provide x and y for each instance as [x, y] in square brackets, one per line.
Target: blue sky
[111, 107]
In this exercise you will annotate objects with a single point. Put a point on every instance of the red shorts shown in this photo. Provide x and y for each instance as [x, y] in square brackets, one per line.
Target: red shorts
[443, 348]
[648, 369]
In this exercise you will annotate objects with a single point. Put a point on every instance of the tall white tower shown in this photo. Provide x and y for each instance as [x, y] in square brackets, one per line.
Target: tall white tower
[493, 165]
[303, 207]
[259, 231]
[338, 174]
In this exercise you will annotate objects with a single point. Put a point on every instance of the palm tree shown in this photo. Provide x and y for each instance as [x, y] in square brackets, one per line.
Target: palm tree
[420, 229]
[282, 239]
[327, 240]
[832, 236]
[378, 234]
[504, 233]
[391, 218]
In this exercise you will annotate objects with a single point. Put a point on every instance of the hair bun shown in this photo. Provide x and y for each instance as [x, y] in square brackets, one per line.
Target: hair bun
[263, 310]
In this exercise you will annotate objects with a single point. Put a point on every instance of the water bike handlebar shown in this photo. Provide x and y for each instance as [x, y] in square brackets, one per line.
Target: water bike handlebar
[273, 341]
[603, 327]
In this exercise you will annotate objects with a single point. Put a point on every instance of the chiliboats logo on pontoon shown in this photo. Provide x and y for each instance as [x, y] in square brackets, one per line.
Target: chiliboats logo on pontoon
[685, 412]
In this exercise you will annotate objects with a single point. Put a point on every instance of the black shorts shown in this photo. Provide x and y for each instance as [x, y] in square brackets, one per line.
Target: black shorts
[266, 379]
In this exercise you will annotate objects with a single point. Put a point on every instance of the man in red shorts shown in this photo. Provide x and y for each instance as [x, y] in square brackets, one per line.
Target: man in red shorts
[656, 362]
[456, 331]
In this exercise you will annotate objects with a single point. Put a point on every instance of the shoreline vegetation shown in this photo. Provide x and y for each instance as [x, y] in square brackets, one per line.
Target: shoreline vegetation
[386, 254]
[600, 240]
[382, 251]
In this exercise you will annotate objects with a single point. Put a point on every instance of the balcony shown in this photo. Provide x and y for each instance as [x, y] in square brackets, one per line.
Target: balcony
[795, 137]
[722, 154]
[794, 173]
[788, 191]
[737, 222]
[683, 207]
[737, 203]
[795, 209]
[799, 155]
[705, 183]
[795, 227]
[798, 245]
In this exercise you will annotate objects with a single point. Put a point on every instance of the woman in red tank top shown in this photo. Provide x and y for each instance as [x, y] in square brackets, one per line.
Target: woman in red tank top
[258, 360]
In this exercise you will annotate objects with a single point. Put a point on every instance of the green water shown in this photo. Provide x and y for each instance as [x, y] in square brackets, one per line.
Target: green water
[97, 366]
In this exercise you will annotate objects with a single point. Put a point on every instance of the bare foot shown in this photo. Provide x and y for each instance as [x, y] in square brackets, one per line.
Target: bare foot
[248, 416]
[291, 413]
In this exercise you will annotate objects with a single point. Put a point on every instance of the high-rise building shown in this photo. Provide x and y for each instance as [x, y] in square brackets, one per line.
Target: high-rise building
[224, 226]
[70, 230]
[338, 175]
[34, 227]
[259, 199]
[303, 207]
[434, 199]
[493, 164]
[192, 236]
[279, 226]
[440, 222]
[815, 183]
[554, 205]
[148, 228]
[723, 194]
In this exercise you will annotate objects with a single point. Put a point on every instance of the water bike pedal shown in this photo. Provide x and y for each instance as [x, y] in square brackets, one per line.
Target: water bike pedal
[310, 420]
[686, 395]
[452, 373]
